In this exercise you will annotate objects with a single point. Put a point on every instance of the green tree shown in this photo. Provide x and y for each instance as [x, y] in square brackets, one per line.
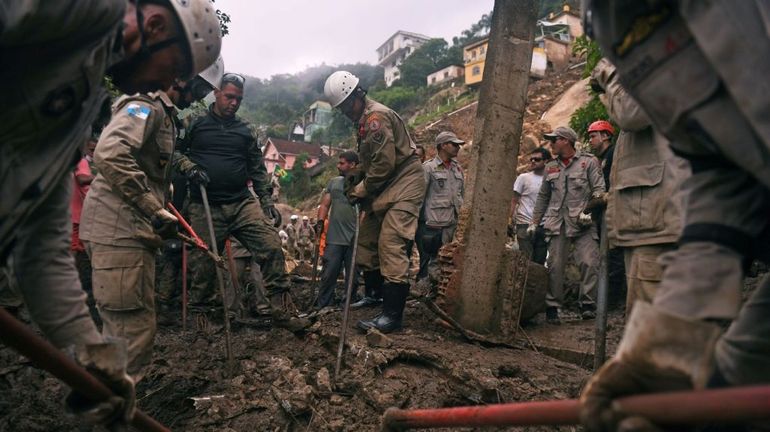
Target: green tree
[426, 59]
[297, 184]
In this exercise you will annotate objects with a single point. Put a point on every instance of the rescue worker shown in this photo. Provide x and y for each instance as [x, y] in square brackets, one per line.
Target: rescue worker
[305, 239]
[600, 134]
[525, 191]
[50, 102]
[221, 154]
[698, 70]
[572, 178]
[444, 181]
[291, 231]
[124, 219]
[338, 251]
[389, 189]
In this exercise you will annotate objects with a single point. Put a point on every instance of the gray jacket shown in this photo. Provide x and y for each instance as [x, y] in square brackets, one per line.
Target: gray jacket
[565, 192]
[443, 194]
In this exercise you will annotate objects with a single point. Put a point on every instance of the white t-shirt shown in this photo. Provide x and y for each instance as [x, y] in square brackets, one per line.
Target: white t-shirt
[527, 185]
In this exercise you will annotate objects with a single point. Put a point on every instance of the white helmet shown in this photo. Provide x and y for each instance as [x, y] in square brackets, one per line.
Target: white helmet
[305, 218]
[213, 74]
[202, 32]
[294, 217]
[339, 86]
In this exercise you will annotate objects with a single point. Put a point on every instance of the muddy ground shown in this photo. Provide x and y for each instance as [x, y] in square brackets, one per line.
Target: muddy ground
[281, 381]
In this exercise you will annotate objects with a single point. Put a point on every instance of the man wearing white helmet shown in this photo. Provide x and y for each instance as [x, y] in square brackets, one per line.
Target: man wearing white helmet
[305, 239]
[124, 216]
[389, 188]
[52, 93]
[291, 231]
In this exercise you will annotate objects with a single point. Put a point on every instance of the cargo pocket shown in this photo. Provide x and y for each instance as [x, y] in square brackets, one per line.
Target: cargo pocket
[404, 219]
[639, 204]
[118, 280]
[440, 212]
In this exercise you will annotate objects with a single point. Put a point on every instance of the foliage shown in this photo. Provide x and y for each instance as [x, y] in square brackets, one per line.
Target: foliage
[590, 112]
[426, 59]
[398, 98]
[548, 6]
[224, 21]
[477, 31]
[590, 49]
[427, 117]
[296, 184]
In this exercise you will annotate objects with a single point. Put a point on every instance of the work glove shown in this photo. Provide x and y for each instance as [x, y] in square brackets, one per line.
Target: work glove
[165, 224]
[659, 352]
[354, 179]
[601, 75]
[585, 220]
[597, 201]
[268, 208]
[197, 176]
[107, 362]
[357, 194]
[531, 230]
[319, 226]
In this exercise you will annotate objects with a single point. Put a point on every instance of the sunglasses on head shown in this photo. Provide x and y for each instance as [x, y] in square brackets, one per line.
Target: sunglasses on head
[230, 77]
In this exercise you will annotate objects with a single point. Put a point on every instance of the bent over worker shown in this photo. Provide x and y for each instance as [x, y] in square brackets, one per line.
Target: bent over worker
[389, 189]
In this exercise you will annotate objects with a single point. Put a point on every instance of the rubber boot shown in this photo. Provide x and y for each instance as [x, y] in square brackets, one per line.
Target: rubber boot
[393, 302]
[373, 282]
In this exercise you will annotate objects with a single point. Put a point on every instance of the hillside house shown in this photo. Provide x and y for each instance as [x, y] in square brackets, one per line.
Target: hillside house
[447, 74]
[392, 53]
[283, 153]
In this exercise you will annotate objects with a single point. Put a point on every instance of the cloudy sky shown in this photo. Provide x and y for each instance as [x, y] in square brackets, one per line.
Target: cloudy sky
[269, 37]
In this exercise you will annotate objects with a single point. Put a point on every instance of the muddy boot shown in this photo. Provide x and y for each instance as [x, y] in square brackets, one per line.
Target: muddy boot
[282, 317]
[166, 315]
[373, 282]
[393, 302]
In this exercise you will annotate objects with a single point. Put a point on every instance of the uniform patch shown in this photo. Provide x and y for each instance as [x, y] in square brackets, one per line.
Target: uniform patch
[552, 170]
[377, 136]
[374, 125]
[138, 111]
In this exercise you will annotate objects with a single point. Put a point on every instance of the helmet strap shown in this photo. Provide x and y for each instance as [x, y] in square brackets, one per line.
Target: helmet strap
[146, 51]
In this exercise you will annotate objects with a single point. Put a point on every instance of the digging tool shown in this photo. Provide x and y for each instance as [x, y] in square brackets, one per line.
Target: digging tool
[600, 338]
[731, 405]
[184, 286]
[348, 292]
[220, 277]
[43, 355]
[314, 274]
[233, 270]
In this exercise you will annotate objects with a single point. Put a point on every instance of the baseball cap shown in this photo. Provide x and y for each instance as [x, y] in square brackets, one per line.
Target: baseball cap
[562, 131]
[447, 136]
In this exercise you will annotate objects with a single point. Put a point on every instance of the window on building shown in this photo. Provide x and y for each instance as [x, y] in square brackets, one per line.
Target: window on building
[476, 70]
[482, 50]
[432, 80]
[473, 53]
[446, 74]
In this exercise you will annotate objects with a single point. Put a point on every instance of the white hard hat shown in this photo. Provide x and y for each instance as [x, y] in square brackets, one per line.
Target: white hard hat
[213, 74]
[202, 32]
[304, 218]
[294, 217]
[339, 86]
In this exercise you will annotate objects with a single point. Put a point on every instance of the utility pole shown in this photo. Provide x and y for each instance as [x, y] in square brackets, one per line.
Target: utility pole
[499, 118]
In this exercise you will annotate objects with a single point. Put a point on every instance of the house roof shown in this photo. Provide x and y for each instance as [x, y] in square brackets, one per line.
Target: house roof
[405, 33]
[475, 44]
[285, 147]
[446, 68]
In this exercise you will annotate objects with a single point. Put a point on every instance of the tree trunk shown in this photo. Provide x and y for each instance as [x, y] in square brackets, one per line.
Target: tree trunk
[489, 184]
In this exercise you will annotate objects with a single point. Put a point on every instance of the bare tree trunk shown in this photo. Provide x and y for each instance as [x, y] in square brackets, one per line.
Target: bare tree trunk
[492, 170]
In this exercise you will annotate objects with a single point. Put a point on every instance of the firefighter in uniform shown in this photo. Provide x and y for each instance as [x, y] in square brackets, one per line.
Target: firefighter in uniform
[389, 188]
[571, 180]
[699, 70]
[305, 239]
[49, 104]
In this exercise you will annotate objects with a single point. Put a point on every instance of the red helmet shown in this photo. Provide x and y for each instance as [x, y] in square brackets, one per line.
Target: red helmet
[601, 126]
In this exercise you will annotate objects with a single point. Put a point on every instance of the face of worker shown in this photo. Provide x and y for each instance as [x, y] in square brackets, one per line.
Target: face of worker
[344, 166]
[352, 107]
[561, 146]
[91, 146]
[451, 149]
[228, 100]
[536, 162]
[138, 73]
[596, 140]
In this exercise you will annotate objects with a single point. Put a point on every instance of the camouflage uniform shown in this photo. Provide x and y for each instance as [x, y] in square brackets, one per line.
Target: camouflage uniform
[305, 241]
[563, 196]
[133, 158]
[54, 58]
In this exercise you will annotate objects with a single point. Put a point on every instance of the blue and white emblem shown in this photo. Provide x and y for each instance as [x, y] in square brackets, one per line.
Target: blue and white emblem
[138, 111]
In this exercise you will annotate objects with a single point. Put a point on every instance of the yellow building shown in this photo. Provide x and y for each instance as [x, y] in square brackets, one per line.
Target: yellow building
[474, 56]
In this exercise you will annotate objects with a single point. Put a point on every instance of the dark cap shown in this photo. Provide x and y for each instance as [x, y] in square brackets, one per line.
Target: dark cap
[446, 136]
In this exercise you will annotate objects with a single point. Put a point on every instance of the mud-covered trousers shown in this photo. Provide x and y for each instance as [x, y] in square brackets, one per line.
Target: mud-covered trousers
[701, 77]
[243, 220]
[46, 275]
[587, 258]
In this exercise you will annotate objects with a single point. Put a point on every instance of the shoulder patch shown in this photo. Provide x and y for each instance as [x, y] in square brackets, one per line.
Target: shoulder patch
[138, 111]
[374, 124]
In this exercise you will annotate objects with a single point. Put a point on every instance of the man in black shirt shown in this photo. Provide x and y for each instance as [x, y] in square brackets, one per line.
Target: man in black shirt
[221, 152]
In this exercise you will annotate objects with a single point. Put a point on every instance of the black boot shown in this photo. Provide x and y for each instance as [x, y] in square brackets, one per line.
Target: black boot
[393, 302]
[372, 290]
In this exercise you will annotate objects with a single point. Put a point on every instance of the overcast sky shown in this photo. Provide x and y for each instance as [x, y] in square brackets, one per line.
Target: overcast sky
[269, 37]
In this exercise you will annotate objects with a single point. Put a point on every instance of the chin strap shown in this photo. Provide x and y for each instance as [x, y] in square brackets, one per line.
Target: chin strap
[145, 51]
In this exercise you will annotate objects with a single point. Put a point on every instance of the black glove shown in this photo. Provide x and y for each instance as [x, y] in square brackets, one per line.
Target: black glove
[197, 176]
[270, 211]
[352, 178]
[319, 227]
[107, 362]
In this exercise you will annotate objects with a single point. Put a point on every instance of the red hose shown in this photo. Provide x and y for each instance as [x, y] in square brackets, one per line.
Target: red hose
[731, 405]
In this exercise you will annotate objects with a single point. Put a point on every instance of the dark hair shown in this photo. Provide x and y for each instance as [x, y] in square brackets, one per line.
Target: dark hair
[350, 156]
[543, 152]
